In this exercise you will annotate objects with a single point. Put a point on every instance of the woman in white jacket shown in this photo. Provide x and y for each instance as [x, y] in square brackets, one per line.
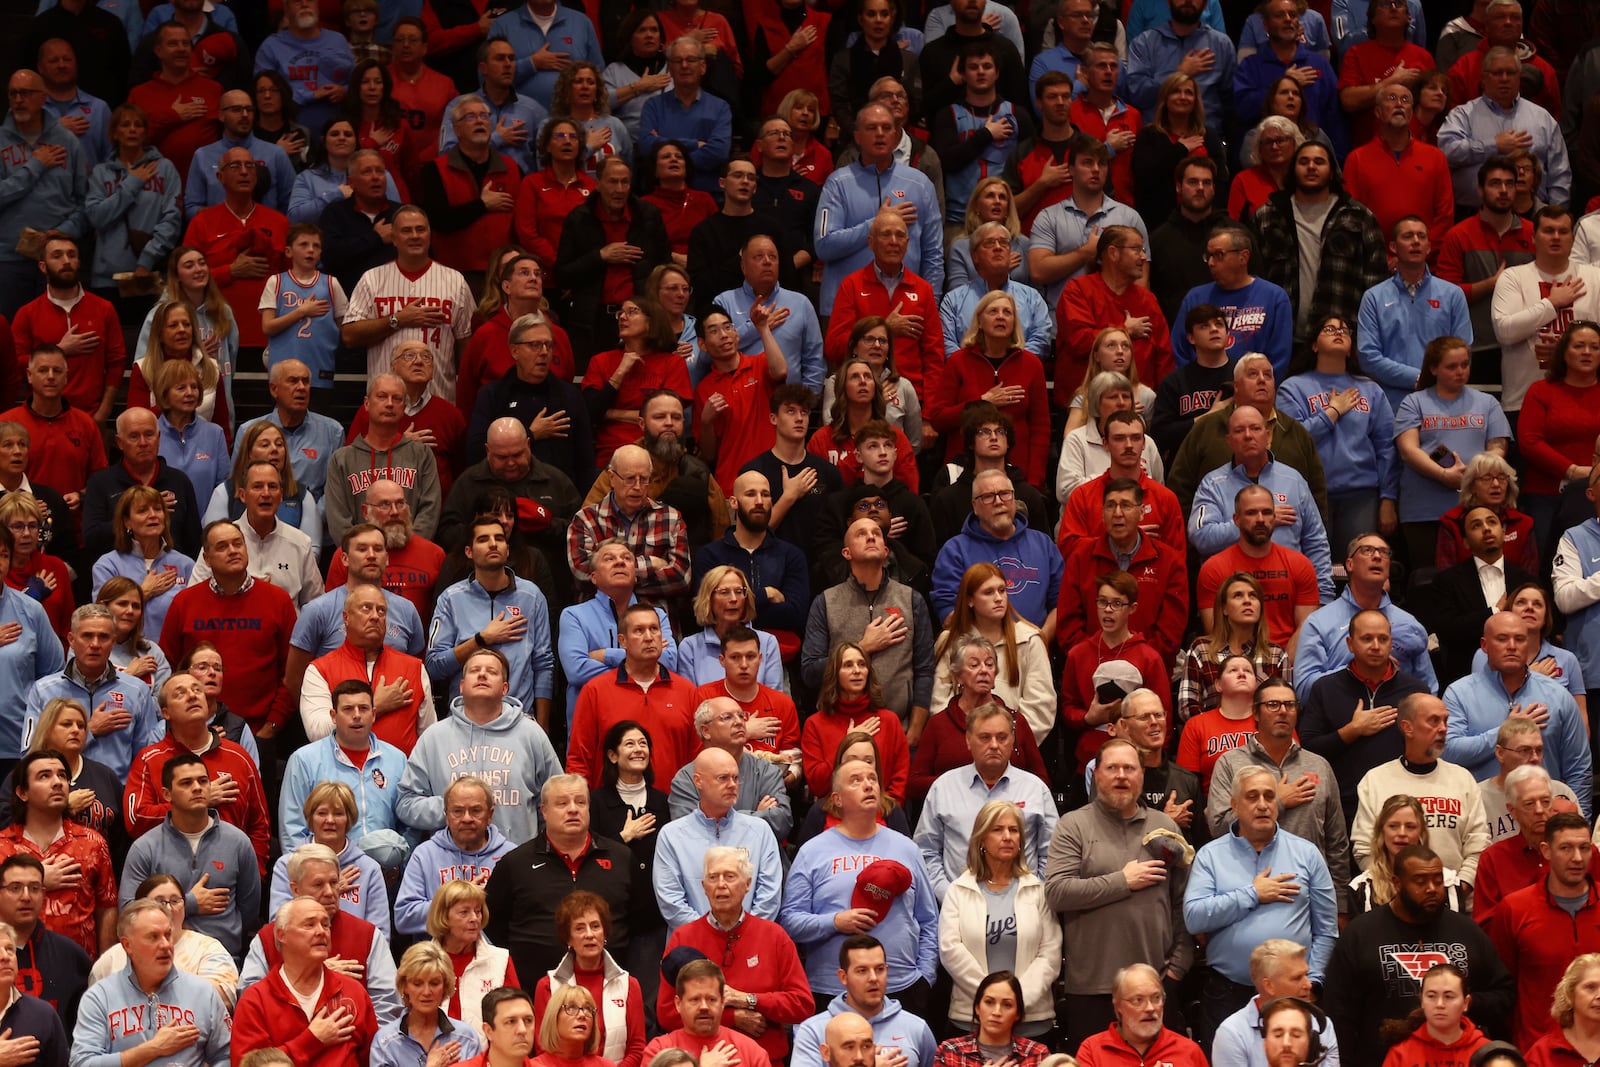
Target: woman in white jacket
[456, 919]
[998, 891]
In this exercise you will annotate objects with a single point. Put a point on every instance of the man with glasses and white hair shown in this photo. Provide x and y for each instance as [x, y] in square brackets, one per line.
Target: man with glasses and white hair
[152, 1011]
[715, 820]
[1119, 901]
[654, 531]
[997, 533]
[1323, 649]
[472, 191]
[766, 983]
[553, 410]
[990, 251]
[720, 722]
[1138, 1029]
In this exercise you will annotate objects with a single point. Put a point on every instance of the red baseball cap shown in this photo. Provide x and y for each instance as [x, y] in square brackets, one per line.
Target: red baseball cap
[878, 885]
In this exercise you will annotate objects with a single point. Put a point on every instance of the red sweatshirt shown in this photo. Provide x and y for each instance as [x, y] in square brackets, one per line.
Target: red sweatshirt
[1163, 607]
[143, 809]
[1078, 689]
[1537, 939]
[1206, 737]
[176, 138]
[682, 211]
[1421, 1047]
[1417, 182]
[967, 375]
[251, 629]
[63, 451]
[819, 743]
[43, 321]
[222, 236]
[543, 204]
[757, 956]
[1086, 307]
[411, 573]
[1084, 514]
[270, 1016]
[862, 294]
[1557, 429]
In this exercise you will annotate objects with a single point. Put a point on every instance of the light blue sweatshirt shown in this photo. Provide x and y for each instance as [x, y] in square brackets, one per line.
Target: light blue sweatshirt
[1322, 648]
[1478, 704]
[436, 861]
[892, 1027]
[1211, 528]
[511, 753]
[466, 608]
[116, 1016]
[317, 187]
[118, 690]
[36, 653]
[32, 194]
[202, 189]
[851, 198]
[1393, 328]
[119, 202]
[1357, 448]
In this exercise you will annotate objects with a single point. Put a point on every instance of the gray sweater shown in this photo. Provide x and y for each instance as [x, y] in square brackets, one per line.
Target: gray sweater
[228, 859]
[353, 469]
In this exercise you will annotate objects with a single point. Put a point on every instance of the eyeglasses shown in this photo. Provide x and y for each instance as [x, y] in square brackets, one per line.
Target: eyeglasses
[1138, 250]
[22, 527]
[1494, 479]
[1210, 256]
[237, 107]
[1334, 329]
[630, 479]
[577, 1011]
[628, 312]
[1149, 716]
[23, 889]
[1106, 604]
[168, 902]
[1152, 1000]
[1277, 705]
[1527, 752]
[871, 341]
[1374, 551]
[537, 346]
[999, 496]
[989, 431]
[414, 357]
[892, 94]
[389, 505]
[23, 94]
[1274, 142]
[474, 116]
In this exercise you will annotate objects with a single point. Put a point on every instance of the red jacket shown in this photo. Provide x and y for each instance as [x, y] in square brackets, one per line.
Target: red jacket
[1537, 939]
[861, 294]
[667, 707]
[1107, 1049]
[449, 428]
[943, 747]
[543, 205]
[1163, 607]
[269, 1016]
[967, 375]
[808, 70]
[468, 248]
[143, 809]
[1421, 1048]
[1086, 307]
[681, 212]
[1078, 690]
[42, 321]
[759, 957]
[1417, 183]
[398, 727]
[1554, 1050]
[819, 742]
[1084, 517]
[221, 236]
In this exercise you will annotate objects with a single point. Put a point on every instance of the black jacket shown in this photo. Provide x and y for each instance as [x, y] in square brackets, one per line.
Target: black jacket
[1330, 705]
[608, 813]
[1454, 609]
[512, 397]
[100, 501]
[580, 270]
[529, 883]
[350, 246]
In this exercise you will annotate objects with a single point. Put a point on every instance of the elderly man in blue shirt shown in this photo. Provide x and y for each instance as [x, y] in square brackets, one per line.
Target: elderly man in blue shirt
[696, 119]
[547, 35]
[1183, 43]
[1256, 882]
[1478, 705]
[515, 117]
[952, 804]
[1500, 121]
[991, 261]
[586, 642]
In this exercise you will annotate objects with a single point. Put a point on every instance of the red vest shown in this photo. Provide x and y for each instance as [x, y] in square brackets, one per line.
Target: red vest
[808, 70]
[351, 939]
[398, 727]
[468, 249]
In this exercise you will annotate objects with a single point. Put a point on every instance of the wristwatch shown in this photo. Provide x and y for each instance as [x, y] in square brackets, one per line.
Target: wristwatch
[478, 637]
[750, 1001]
[394, 322]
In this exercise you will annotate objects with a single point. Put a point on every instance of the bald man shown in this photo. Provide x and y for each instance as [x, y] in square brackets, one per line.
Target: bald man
[656, 532]
[139, 440]
[847, 1042]
[202, 189]
[682, 843]
[720, 724]
[776, 568]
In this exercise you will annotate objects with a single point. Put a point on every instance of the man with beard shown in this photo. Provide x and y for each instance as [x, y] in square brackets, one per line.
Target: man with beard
[733, 396]
[316, 62]
[653, 529]
[1138, 1032]
[1321, 245]
[531, 391]
[1288, 578]
[401, 695]
[1287, 1029]
[1457, 830]
[244, 241]
[996, 533]
[1183, 44]
[312, 438]
[776, 569]
[83, 326]
[678, 479]
[699, 1002]
[499, 610]
[1259, 315]
[1376, 970]
[49, 966]
[1182, 237]
[413, 562]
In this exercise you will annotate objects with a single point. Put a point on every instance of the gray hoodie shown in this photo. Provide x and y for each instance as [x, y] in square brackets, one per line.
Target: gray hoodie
[224, 854]
[352, 470]
[511, 753]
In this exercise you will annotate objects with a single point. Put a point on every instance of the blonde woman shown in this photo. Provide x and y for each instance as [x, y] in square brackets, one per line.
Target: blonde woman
[189, 279]
[1576, 1010]
[175, 336]
[991, 201]
[189, 443]
[1112, 351]
[992, 365]
[424, 1033]
[456, 918]
[1176, 131]
[725, 602]
[1400, 822]
[94, 792]
[569, 1031]
[997, 882]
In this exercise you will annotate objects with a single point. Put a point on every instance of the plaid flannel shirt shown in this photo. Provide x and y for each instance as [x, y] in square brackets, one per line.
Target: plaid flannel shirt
[656, 534]
[1354, 254]
[1197, 688]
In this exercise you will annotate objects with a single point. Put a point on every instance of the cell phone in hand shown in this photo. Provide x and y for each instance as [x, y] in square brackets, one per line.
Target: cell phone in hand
[1108, 692]
[1443, 456]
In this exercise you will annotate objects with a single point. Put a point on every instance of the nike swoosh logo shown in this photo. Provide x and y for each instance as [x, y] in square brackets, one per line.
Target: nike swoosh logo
[1594, 559]
[536, 866]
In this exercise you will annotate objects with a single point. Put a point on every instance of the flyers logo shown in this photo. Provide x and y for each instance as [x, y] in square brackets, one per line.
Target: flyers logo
[605, 864]
[116, 698]
[1417, 964]
[514, 611]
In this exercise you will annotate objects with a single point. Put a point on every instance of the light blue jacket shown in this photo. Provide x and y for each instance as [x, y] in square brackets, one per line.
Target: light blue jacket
[1155, 53]
[433, 863]
[1322, 649]
[118, 202]
[198, 450]
[1576, 563]
[511, 753]
[1221, 901]
[317, 187]
[1211, 528]
[892, 1027]
[951, 808]
[680, 864]
[699, 653]
[592, 626]
[822, 880]
[121, 691]
[1033, 315]
[517, 106]
[851, 197]
[571, 32]
[1393, 327]
[1357, 448]
[202, 189]
[96, 140]
[1238, 1042]
[116, 1016]
[368, 899]
[466, 608]
[35, 654]
[1478, 704]
[800, 335]
[326, 58]
[132, 565]
[32, 194]
[376, 787]
[310, 445]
